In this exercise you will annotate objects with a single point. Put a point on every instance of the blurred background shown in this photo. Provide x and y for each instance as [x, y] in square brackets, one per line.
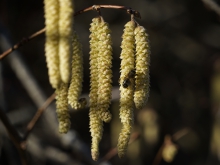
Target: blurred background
[179, 125]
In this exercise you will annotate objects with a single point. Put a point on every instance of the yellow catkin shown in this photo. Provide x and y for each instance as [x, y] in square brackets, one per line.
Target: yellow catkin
[75, 87]
[96, 124]
[142, 78]
[65, 37]
[127, 93]
[62, 108]
[104, 71]
[51, 9]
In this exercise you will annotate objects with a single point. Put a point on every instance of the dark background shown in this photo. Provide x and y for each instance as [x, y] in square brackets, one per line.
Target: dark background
[184, 95]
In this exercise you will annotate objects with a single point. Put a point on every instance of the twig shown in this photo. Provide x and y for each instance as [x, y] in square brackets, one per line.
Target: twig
[112, 152]
[15, 137]
[176, 136]
[22, 42]
[94, 7]
[37, 116]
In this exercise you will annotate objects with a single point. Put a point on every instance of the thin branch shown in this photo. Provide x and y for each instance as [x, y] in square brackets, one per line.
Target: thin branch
[37, 116]
[22, 42]
[15, 137]
[112, 152]
[94, 7]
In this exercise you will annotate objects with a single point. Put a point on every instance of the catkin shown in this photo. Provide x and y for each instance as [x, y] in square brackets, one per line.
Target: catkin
[104, 71]
[127, 94]
[62, 108]
[75, 87]
[142, 78]
[96, 124]
[65, 36]
[51, 9]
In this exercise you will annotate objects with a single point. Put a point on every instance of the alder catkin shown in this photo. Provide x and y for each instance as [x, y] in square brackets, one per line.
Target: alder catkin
[62, 108]
[75, 87]
[142, 78]
[65, 36]
[51, 10]
[96, 124]
[104, 70]
[127, 93]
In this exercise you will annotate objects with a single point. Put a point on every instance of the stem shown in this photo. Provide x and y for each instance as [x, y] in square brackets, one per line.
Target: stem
[94, 7]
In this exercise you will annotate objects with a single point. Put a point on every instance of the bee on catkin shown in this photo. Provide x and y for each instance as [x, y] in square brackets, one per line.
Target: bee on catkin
[104, 70]
[142, 78]
[96, 124]
[75, 87]
[65, 37]
[62, 108]
[127, 94]
[51, 10]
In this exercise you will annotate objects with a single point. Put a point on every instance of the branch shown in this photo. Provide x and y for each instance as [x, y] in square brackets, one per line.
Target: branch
[112, 152]
[15, 137]
[94, 7]
[37, 116]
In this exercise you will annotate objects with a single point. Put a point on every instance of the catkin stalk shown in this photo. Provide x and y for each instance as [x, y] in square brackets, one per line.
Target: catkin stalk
[75, 87]
[104, 71]
[96, 124]
[142, 79]
[65, 36]
[127, 94]
[51, 10]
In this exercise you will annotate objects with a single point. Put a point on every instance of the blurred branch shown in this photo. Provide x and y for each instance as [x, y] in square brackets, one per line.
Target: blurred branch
[15, 137]
[212, 5]
[169, 139]
[112, 152]
[37, 115]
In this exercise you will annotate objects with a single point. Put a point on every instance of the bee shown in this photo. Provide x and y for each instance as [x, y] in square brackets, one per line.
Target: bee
[127, 79]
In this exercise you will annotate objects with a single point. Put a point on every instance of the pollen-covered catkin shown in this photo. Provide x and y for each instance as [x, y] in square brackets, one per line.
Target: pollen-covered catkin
[127, 94]
[51, 10]
[62, 108]
[96, 124]
[104, 71]
[65, 38]
[142, 78]
[75, 87]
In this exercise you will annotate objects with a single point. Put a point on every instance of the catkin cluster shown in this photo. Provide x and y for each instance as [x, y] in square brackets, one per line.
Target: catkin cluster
[134, 78]
[61, 46]
[65, 68]
[100, 77]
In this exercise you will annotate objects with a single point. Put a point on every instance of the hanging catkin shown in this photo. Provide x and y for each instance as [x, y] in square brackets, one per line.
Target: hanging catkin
[75, 87]
[96, 124]
[142, 78]
[104, 70]
[65, 36]
[62, 108]
[51, 10]
[127, 92]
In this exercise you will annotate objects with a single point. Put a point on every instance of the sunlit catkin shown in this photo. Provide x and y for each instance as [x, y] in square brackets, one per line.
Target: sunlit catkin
[62, 108]
[96, 124]
[127, 93]
[75, 87]
[104, 71]
[51, 10]
[142, 78]
[65, 36]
